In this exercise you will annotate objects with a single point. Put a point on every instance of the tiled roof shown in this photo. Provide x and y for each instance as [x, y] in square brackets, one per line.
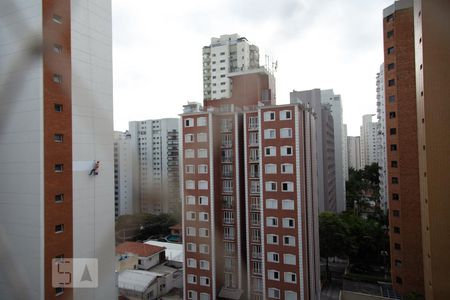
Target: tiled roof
[139, 249]
[176, 227]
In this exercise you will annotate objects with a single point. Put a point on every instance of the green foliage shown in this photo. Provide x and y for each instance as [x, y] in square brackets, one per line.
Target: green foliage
[362, 185]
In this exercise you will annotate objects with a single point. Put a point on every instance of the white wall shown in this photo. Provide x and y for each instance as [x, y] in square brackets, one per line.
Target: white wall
[92, 105]
[21, 152]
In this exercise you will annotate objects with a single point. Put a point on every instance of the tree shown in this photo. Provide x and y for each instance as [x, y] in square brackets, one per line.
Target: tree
[333, 233]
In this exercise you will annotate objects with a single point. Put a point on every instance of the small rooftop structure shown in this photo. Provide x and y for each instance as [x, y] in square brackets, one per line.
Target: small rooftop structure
[135, 280]
[139, 249]
[174, 251]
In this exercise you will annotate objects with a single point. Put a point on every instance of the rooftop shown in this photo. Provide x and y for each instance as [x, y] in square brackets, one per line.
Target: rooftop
[173, 251]
[139, 249]
[135, 280]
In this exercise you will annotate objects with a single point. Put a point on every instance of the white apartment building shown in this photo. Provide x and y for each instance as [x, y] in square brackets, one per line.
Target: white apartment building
[226, 54]
[56, 104]
[354, 152]
[381, 154]
[155, 165]
[345, 151]
[124, 201]
[368, 141]
[328, 97]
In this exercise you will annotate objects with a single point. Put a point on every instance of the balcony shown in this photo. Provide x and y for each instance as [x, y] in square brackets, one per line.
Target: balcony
[255, 207]
[228, 237]
[227, 144]
[257, 255]
[227, 159]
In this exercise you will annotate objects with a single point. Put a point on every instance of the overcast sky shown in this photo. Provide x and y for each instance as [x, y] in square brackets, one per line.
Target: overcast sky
[318, 44]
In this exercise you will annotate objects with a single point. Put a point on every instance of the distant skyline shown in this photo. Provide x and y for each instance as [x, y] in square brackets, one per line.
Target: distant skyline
[157, 50]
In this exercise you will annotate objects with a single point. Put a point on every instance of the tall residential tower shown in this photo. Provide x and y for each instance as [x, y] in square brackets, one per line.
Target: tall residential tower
[56, 103]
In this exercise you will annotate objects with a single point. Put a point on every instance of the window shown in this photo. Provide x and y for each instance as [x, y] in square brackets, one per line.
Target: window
[202, 153]
[203, 232]
[190, 215]
[254, 154]
[57, 78]
[255, 219]
[202, 137]
[390, 50]
[190, 184]
[204, 296]
[290, 295]
[253, 123]
[190, 200]
[230, 281]
[270, 168]
[393, 147]
[392, 98]
[189, 153]
[228, 233]
[269, 116]
[58, 137]
[227, 186]
[271, 186]
[272, 222]
[398, 280]
[257, 267]
[58, 168]
[58, 107]
[203, 248]
[285, 133]
[203, 185]
[227, 155]
[191, 263]
[204, 281]
[390, 33]
[201, 121]
[289, 240]
[256, 251]
[255, 203]
[398, 263]
[273, 275]
[227, 201]
[271, 204]
[59, 198]
[287, 169]
[202, 169]
[270, 151]
[229, 248]
[189, 122]
[395, 196]
[270, 134]
[59, 228]
[192, 279]
[396, 229]
[227, 170]
[285, 115]
[274, 293]
[273, 257]
[391, 66]
[228, 217]
[391, 82]
[190, 231]
[395, 180]
[289, 259]
[392, 115]
[253, 138]
[254, 171]
[286, 151]
[396, 213]
[394, 164]
[290, 277]
[57, 19]
[390, 18]
[192, 295]
[287, 186]
[256, 235]
[191, 247]
[272, 239]
[188, 138]
[190, 169]
[288, 204]
[203, 216]
[59, 291]
[203, 200]
[397, 246]
[288, 223]
[393, 131]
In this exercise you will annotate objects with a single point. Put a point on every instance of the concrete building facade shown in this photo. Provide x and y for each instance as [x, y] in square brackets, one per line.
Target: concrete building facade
[354, 152]
[368, 141]
[124, 201]
[155, 163]
[402, 142]
[55, 126]
[381, 153]
[432, 51]
[226, 54]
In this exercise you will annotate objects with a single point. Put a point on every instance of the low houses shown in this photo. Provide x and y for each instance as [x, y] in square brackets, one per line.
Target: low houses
[144, 271]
